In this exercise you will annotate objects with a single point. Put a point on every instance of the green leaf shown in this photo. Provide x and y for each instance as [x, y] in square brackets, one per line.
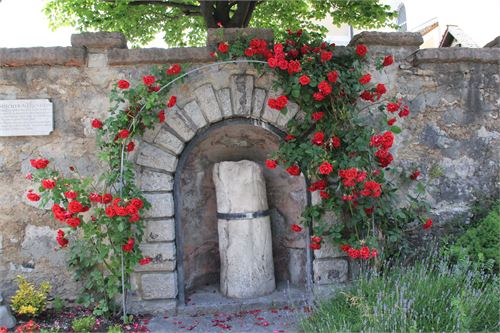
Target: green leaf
[395, 129]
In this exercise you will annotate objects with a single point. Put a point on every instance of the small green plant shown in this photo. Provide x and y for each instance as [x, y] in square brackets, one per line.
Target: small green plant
[427, 297]
[30, 300]
[480, 243]
[58, 304]
[84, 324]
[49, 330]
[115, 329]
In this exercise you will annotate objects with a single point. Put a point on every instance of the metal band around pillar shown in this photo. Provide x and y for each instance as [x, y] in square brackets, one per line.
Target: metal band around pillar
[243, 216]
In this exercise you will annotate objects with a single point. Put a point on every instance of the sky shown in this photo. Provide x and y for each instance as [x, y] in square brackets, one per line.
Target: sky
[22, 23]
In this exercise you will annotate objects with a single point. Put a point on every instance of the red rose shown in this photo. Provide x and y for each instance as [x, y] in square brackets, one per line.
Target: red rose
[272, 62]
[223, 47]
[172, 101]
[369, 211]
[129, 246]
[353, 253]
[364, 252]
[294, 170]
[271, 164]
[427, 224]
[380, 89]
[332, 76]
[393, 107]
[73, 222]
[405, 112]
[123, 134]
[70, 194]
[60, 239]
[95, 197]
[137, 202]
[361, 176]
[134, 218]
[304, 80]
[325, 88]
[371, 189]
[145, 261]
[130, 146]
[148, 80]
[96, 123]
[110, 212]
[39, 164]
[107, 198]
[75, 207]
[367, 96]
[32, 196]
[391, 121]
[213, 54]
[121, 211]
[365, 79]
[289, 137]
[123, 84]
[316, 239]
[319, 185]
[315, 246]
[361, 50]
[384, 157]
[317, 96]
[174, 69]
[294, 67]
[318, 138]
[296, 228]
[29, 176]
[415, 175]
[325, 168]
[336, 142]
[161, 116]
[374, 253]
[326, 55]
[345, 248]
[324, 194]
[48, 184]
[388, 60]
[132, 210]
[317, 116]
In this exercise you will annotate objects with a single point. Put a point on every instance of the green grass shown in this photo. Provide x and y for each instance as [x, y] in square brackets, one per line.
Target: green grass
[426, 297]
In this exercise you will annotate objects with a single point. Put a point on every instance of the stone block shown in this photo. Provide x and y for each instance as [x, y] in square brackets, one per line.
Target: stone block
[291, 111]
[97, 60]
[270, 115]
[159, 285]
[154, 307]
[162, 205]
[179, 125]
[258, 102]
[329, 271]
[153, 157]
[457, 55]
[400, 39]
[39, 243]
[42, 56]
[208, 103]
[169, 141]
[162, 255]
[231, 34]
[328, 250]
[224, 97]
[160, 230]
[242, 94]
[99, 40]
[132, 57]
[192, 113]
[151, 181]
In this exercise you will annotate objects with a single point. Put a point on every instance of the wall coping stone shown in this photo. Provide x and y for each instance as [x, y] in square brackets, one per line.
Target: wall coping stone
[117, 57]
[215, 36]
[99, 40]
[494, 43]
[401, 39]
[42, 56]
[456, 54]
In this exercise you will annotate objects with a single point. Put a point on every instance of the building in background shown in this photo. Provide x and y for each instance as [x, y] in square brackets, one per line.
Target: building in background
[443, 23]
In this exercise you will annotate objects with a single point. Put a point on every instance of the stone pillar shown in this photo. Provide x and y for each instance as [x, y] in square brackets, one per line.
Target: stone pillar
[244, 225]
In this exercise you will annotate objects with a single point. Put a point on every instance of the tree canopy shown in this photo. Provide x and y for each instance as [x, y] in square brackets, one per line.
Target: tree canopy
[184, 22]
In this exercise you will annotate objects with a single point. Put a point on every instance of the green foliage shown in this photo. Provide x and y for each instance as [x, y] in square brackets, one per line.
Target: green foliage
[141, 22]
[115, 329]
[29, 300]
[49, 330]
[424, 298]
[58, 304]
[84, 324]
[480, 242]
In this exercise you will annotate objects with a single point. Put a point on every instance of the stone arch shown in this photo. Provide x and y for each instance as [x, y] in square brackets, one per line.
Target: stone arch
[208, 97]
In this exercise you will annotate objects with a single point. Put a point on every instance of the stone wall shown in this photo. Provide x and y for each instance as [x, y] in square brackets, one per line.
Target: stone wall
[455, 124]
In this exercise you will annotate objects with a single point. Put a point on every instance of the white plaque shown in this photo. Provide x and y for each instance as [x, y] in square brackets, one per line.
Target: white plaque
[26, 117]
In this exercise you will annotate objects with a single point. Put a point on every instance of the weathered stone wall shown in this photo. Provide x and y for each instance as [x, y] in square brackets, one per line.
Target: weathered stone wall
[455, 124]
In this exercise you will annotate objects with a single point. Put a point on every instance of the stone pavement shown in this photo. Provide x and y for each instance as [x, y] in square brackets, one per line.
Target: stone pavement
[277, 320]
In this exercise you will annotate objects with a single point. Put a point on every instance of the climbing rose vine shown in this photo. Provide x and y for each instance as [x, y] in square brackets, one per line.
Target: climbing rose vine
[341, 141]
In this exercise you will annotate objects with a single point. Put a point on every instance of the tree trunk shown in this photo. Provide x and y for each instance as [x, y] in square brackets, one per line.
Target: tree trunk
[215, 12]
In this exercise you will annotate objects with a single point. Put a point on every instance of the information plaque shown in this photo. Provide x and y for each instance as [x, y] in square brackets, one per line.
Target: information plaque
[26, 117]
